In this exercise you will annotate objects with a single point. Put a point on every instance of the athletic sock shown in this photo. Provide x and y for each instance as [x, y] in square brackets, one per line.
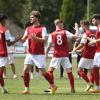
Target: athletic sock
[91, 78]
[26, 79]
[84, 76]
[96, 75]
[1, 77]
[71, 79]
[48, 77]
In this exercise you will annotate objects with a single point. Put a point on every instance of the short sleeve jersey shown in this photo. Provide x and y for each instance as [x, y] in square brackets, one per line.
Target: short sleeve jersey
[35, 47]
[60, 41]
[88, 51]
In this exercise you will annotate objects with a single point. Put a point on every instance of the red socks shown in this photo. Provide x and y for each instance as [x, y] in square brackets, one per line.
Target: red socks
[51, 74]
[91, 78]
[49, 77]
[83, 75]
[1, 77]
[96, 75]
[26, 79]
[71, 79]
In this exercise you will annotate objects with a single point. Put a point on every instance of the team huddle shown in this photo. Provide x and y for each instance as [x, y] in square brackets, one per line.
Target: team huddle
[37, 36]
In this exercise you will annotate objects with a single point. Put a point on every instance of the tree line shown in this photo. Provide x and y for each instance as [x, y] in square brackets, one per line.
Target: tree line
[70, 11]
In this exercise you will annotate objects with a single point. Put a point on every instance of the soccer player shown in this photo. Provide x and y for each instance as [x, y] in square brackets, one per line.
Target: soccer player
[70, 43]
[87, 54]
[33, 68]
[11, 62]
[10, 59]
[25, 44]
[80, 32]
[4, 41]
[37, 37]
[60, 57]
[96, 63]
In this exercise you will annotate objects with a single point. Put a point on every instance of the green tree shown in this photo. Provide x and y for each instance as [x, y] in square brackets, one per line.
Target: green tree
[27, 8]
[72, 11]
[97, 7]
[94, 7]
[18, 10]
[49, 10]
[14, 9]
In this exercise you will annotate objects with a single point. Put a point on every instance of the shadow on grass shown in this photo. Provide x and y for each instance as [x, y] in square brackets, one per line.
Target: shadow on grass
[57, 94]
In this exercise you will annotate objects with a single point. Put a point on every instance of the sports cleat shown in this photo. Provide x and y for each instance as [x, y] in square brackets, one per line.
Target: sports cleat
[25, 92]
[47, 90]
[22, 76]
[78, 77]
[15, 76]
[5, 91]
[94, 91]
[72, 91]
[89, 87]
[53, 90]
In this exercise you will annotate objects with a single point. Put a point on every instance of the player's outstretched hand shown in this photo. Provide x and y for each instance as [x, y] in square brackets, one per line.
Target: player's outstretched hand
[19, 36]
[92, 42]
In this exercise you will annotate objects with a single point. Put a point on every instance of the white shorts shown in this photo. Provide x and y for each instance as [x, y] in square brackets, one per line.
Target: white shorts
[64, 61]
[97, 59]
[86, 63]
[10, 59]
[38, 60]
[3, 61]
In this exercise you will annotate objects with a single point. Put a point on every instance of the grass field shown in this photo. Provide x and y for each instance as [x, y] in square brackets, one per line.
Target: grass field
[15, 86]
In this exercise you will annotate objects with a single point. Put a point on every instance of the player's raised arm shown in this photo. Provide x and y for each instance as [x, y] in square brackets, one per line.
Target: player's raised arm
[76, 28]
[9, 43]
[92, 42]
[48, 48]
[24, 37]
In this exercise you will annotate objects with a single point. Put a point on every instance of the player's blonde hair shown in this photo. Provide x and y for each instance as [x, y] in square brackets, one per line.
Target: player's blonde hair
[58, 21]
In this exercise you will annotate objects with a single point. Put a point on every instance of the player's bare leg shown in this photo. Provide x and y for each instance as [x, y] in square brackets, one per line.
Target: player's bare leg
[13, 70]
[32, 72]
[37, 72]
[4, 73]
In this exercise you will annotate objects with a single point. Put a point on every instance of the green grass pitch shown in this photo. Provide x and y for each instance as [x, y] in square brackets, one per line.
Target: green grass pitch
[15, 86]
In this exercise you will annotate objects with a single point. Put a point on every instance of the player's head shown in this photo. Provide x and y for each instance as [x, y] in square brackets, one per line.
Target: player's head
[3, 19]
[96, 19]
[59, 23]
[35, 16]
[84, 24]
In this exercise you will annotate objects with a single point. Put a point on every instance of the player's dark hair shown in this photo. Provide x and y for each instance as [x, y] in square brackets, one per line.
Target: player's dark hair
[85, 22]
[3, 16]
[96, 16]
